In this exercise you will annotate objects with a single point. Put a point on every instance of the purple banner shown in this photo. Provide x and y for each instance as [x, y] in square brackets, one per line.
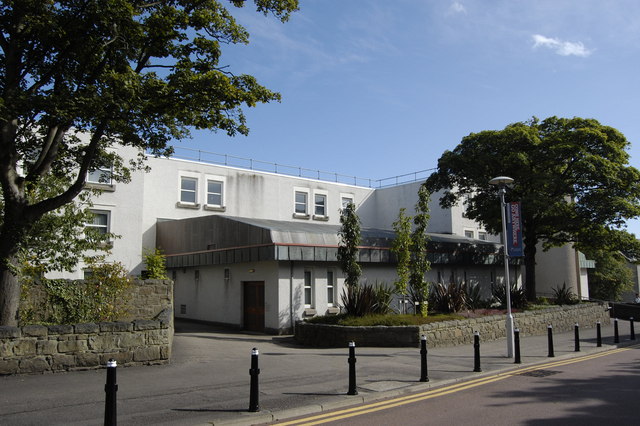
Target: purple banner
[514, 230]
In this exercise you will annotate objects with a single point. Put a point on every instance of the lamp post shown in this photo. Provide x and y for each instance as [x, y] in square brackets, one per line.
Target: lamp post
[501, 182]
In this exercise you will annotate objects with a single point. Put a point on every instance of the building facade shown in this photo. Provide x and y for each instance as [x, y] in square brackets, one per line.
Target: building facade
[257, 249]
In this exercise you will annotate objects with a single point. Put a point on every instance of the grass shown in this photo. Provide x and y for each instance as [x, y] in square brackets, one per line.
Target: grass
[388, 320]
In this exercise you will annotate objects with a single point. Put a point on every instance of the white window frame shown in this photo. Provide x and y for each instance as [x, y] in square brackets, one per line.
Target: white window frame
[471, 231]
[108, 171]
[93, 225]
[307, 290]
[223, 185]
[483, 235]
[325, 194]
[188, 204]
[296, 214]
[331, 287]
[345, 196]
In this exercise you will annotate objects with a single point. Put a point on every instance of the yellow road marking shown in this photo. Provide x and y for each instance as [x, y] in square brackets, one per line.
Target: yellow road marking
[433, 393]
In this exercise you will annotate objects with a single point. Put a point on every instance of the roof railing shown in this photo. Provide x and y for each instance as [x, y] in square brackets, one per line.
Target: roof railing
[284, 169]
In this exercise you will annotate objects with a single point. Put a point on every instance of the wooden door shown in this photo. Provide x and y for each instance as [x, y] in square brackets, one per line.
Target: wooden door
[254, 306]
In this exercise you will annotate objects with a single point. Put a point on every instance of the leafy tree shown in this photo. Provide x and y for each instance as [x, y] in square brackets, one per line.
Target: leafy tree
[350, 239]
[572, 176]
[77, 77]
[611, 276]
[402, 248]
[420, 265]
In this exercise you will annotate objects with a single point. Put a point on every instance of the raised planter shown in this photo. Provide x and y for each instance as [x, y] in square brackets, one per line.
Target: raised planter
[452, 333]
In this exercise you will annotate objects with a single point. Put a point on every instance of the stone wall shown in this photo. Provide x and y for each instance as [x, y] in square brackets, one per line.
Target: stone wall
[144, 340]
[451, 333]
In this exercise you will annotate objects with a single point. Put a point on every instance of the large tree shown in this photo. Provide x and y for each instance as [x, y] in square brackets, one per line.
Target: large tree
[572, 176]
[78, 76]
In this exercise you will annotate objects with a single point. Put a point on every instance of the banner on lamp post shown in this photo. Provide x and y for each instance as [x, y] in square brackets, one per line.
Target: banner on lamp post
[514, 230]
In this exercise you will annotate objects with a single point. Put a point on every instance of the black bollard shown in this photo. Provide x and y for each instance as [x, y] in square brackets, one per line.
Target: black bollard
[598, 335]
[516, 342]
[632, 332]
[423, 359]
[550, 339]
[352, 369]
[110, 388]
[476, 352]
[254, 372]
[576, 332]
[616, 334]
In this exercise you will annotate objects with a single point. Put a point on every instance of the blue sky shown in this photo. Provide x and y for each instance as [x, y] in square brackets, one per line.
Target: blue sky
[377, 88]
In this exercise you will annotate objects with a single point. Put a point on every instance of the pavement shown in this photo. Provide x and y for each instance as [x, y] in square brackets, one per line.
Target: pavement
[208, 381]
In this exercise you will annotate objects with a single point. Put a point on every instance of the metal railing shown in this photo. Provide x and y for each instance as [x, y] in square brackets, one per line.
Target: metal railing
[284, 169]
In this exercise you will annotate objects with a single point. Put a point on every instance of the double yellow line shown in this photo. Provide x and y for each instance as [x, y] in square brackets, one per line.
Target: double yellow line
[434, 393]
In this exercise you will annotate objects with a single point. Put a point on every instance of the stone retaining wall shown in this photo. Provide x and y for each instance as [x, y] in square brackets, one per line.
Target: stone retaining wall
[145, 340]
[451, 333]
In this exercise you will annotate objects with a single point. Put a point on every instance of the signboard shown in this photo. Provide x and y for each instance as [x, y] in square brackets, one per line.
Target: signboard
[514, 230]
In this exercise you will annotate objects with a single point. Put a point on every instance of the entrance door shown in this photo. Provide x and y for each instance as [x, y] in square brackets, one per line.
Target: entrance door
[254, 306]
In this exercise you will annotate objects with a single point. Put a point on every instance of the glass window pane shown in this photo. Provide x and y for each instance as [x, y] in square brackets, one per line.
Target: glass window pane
[214, 186]
[214, 199]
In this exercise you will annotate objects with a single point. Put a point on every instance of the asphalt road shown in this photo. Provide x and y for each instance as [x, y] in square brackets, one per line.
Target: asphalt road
[596, 389]
[208, 379]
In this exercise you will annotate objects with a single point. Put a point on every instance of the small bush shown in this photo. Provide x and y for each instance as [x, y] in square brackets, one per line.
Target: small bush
[564, 296]
[366, 299]
[448, 298]
[156, 264]
[518, 296]
[473, 298]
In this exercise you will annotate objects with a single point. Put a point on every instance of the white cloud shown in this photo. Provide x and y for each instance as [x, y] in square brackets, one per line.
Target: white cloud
[562, 48]
[457, 7]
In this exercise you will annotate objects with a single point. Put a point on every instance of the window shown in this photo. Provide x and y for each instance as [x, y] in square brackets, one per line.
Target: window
[320, 205]
[214, 193]
[330, 287]
[482, 236]
[308, 290]
[188, 190]
[101, 175]
[468, 233]
[99, 222]
[300, 207]
[345, 199]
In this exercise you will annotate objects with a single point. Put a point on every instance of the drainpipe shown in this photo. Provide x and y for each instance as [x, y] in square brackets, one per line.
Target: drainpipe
[291, 298]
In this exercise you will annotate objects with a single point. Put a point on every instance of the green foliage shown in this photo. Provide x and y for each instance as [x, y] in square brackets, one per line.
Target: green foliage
[448, 298]
[350, 239]
[360, 300]
[518, 296]
[80, 77]
[156, 264]
[572, 176]
[402, 248]
[611, 276]
[420, 265]
[473, 297]
[564, 296]
[101, 297]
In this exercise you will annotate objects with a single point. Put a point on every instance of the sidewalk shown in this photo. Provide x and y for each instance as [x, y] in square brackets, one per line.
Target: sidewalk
[208, 379]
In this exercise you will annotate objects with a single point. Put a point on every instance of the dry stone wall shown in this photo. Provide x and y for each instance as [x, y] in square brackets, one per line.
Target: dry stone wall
[452, 333]
[145, 340]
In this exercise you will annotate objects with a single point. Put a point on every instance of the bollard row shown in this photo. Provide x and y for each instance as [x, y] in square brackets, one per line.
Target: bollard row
[111, 387]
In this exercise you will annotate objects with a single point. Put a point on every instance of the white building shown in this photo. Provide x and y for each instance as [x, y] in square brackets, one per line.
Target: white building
[257, 249]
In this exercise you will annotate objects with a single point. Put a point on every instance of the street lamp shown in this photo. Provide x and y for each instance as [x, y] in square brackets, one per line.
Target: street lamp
[501, 182]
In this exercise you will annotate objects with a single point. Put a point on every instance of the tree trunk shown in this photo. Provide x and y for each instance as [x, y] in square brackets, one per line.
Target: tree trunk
[9, 295]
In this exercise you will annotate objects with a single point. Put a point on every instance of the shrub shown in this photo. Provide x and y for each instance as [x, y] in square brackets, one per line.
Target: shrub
[448, 298]
[366, 299]
[101, 297]
[156, 264]
[518, 296]
[564, 295]
[473, 298]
